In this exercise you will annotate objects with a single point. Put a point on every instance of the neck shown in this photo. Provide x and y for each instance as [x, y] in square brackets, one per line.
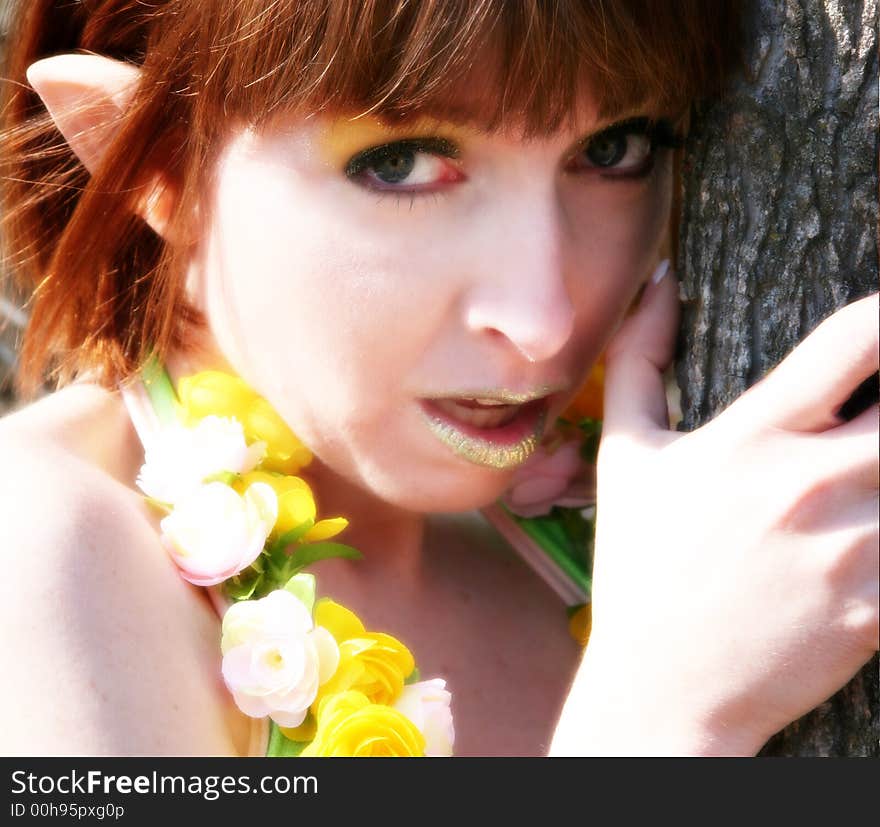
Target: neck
[392, 544]
[377, 528]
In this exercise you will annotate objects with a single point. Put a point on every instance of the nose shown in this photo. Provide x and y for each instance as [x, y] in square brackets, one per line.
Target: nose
[520, 294]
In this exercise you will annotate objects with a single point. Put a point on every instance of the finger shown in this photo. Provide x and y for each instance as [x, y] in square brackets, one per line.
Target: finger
[807, 389]
[635, 392]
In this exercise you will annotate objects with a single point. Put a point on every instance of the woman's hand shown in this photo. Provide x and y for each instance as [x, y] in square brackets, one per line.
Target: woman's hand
[735, 582]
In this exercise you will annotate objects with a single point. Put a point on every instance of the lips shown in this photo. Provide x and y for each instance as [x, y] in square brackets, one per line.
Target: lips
[506, 439]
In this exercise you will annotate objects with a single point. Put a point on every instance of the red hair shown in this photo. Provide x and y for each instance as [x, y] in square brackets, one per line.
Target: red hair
[105, 288]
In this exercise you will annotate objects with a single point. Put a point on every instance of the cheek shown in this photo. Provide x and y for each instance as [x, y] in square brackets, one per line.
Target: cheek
[617, 236]
[313, 304]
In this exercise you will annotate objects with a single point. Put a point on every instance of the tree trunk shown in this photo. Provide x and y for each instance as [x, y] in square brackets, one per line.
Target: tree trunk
[778, 229]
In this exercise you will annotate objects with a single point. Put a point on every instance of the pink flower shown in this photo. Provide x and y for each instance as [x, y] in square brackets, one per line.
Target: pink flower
[552, 476]
[214, 532]
[427, 705]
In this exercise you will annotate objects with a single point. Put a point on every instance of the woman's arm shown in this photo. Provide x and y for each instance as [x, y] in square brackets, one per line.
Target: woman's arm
[735, 582]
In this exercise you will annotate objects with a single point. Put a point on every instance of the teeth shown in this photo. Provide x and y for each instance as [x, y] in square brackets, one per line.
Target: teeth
[493, 402]
[500, 415]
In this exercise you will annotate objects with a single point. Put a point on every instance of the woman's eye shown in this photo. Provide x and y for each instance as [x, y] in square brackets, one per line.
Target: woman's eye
[618, 150]
[394, 168]
[625, 150]
[408, 166]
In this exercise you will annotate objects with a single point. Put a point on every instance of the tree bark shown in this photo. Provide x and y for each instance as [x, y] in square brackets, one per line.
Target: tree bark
[778, 229]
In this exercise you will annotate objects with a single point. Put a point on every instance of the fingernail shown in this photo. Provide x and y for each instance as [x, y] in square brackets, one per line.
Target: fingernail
[660, 272]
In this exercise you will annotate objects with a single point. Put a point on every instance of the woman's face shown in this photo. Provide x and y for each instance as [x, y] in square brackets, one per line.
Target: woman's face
[374, 282]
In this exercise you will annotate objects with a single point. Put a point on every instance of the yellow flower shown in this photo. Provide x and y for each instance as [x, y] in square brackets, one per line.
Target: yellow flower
[218, 393]
[349, 726]
[213, 392]
[325, 529]
[342, 623]
[384, 664]
[295, 501]
[580, 624]
[284, 452]
[304, 732]
[589, 399]
[373, 663]
[296, 504]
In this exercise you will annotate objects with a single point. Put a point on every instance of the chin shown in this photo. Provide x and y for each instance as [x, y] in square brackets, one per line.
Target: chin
[445, 493]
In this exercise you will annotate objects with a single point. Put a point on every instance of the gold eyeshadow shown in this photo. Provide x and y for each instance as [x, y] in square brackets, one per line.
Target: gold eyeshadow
[344, 138]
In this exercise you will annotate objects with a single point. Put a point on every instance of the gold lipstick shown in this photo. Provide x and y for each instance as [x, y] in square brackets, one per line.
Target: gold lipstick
[505, 446]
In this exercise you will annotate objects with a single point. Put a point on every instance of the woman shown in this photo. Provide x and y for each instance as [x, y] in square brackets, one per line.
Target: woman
[412, 229]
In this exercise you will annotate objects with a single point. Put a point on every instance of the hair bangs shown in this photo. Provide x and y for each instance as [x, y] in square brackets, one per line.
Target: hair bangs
[494, 63]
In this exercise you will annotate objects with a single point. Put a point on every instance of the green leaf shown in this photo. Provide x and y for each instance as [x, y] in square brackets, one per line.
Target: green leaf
[591, 430]
[280, 746]
[302, 585]
[165, 508]
[590, 426]
[571, 610]
[414, 676]
[244, 585]
[308, 554]
[289, 537]
[227, 477]
[158, 385]
[549, 533]
[579, 531]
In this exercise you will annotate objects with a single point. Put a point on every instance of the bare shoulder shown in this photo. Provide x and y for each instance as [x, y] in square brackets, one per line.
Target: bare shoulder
[56, 487]
[111, 652]
[51, 478]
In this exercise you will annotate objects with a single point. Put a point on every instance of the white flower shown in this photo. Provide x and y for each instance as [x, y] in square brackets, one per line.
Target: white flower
[427, 705]
[182, 458]
[274, 658]
[215, 532]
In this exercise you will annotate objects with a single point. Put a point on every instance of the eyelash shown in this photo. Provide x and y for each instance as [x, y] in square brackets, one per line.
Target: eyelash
[361, 163]
[659, 133]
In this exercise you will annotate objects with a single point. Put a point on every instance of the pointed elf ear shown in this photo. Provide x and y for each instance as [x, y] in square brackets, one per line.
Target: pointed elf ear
[86, 96]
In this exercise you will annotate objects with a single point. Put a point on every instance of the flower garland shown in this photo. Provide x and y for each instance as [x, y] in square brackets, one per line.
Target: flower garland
[223, 471]
[548, 513]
